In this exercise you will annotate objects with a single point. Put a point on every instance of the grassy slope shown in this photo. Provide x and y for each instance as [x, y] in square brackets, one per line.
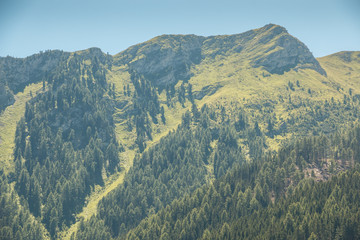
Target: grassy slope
[244, 86]
[343, 69]
[8, 121]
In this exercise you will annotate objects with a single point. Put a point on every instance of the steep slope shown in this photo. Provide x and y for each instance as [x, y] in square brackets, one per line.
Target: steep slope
[270, 47]
[249, 202]
[17, 73]
[163, 60]
[166, 59]
[262, 71]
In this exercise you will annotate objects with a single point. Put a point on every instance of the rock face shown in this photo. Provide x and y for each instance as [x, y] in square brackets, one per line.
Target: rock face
[286, 53]
[166, 59]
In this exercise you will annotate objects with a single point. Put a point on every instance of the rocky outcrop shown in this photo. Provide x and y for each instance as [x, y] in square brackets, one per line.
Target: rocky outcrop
[166, 59]
[285, 53]
[163, 60]
[206, 91]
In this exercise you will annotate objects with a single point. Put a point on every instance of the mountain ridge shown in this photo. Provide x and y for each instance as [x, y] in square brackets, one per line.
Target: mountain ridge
[167, 59]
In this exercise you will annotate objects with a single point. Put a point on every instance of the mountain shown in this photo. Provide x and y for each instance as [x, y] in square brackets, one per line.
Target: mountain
[167, 59]
[235, 123]
[268, 68]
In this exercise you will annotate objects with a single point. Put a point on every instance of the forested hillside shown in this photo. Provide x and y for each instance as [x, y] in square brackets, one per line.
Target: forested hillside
[249, 201]
[64, 142]
[202, 149]
[243, 136]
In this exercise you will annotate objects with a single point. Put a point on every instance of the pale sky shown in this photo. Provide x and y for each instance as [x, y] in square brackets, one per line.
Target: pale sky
[30, 26]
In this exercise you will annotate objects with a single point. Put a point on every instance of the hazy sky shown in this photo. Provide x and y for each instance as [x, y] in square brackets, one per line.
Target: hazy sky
[29, 26]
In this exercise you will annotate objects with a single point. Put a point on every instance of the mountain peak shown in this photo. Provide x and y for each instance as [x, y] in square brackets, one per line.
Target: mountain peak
[278, 51]
[274, 28]
[166, 59]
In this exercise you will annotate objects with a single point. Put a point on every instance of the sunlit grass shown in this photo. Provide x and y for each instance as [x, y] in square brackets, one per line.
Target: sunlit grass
[8, 120]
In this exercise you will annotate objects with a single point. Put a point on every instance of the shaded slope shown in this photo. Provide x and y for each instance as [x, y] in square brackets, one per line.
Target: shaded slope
[65, 144]
[17, 73]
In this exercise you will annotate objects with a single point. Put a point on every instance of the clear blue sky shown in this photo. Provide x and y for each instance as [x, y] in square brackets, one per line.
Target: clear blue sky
[29, 26]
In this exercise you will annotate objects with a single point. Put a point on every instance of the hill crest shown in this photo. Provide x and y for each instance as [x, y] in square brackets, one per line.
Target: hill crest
[166, 59]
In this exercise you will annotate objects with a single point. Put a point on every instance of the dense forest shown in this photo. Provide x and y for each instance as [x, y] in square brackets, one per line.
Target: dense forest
[248, 191]
[247, 203]
[16, 222]
[64, 142]
[202, 148]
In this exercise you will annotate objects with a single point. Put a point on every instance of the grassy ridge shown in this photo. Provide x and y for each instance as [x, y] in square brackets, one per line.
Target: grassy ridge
[343, 69]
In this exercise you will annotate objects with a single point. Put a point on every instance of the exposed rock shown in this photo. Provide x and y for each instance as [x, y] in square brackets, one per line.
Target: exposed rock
[206, 91]
[164, 60]
[285, 53]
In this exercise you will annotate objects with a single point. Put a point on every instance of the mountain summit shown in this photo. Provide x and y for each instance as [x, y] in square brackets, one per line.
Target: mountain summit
[279, 51]
[168, 58]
